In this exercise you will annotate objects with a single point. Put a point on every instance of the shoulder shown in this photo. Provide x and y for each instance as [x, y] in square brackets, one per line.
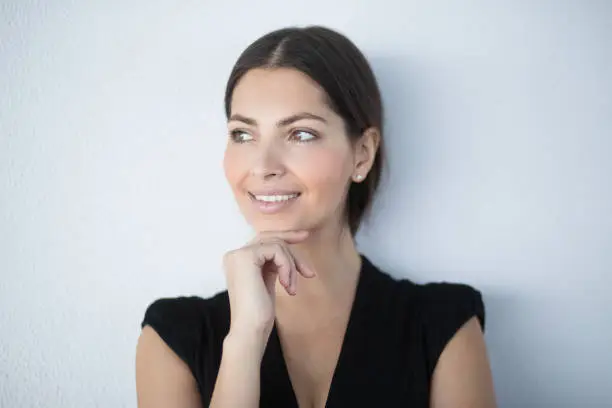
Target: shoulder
[433, 313]
[186, 324]
[446, 303]
[442, 310]
[435, 304]
[453, 320]
[168, 310]
[183, 310]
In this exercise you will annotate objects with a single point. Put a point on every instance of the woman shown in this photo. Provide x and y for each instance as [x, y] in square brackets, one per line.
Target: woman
[304, 159]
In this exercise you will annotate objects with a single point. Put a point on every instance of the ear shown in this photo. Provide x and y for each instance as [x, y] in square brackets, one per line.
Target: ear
[365, 152]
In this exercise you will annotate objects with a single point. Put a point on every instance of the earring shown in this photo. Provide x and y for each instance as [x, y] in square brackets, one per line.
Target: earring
[359, 177]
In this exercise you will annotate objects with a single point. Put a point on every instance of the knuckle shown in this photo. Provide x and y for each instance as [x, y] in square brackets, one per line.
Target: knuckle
[228, 256]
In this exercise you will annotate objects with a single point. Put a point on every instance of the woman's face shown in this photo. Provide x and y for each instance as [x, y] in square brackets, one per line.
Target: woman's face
[288, 158]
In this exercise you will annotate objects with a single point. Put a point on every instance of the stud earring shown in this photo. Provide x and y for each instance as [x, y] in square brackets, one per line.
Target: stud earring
[359, 177]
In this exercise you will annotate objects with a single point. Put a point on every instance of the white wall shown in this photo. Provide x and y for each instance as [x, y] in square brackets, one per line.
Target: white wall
[112, 193]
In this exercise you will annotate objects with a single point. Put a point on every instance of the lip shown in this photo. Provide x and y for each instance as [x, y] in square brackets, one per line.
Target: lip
[274, 206]
[272, 192]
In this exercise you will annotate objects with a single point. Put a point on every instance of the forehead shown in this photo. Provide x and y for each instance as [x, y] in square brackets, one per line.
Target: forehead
[278, 92]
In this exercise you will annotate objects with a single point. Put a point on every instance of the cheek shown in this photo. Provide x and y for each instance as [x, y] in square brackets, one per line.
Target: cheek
[326, 175]
[233, 166]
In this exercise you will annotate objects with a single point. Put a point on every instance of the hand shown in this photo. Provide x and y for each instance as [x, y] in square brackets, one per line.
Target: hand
[251, 273]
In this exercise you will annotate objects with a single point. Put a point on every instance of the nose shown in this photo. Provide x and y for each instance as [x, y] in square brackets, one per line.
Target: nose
[268, 162]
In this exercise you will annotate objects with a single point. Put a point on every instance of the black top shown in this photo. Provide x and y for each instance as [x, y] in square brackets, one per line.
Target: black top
[396, 332]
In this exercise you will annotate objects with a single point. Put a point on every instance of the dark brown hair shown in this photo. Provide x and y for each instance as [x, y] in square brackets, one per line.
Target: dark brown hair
[338, 66]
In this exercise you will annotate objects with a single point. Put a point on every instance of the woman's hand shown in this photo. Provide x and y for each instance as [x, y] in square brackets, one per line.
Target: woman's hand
[251, 273]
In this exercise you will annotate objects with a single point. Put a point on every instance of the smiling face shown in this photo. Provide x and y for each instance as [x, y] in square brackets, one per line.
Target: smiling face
[288, 159]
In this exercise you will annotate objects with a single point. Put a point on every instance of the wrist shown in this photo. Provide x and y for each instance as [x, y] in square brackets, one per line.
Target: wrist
[249, 341]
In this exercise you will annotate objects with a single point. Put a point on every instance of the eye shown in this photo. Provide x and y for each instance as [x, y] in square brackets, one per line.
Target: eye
[303, 136]
[240, 136]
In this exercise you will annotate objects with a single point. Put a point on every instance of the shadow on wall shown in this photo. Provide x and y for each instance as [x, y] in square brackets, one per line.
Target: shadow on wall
[404, 134]
[516, 383]
[407, 148]
[408, 144]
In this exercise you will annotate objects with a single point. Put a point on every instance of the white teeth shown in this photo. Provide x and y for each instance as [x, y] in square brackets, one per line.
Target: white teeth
[275, 198]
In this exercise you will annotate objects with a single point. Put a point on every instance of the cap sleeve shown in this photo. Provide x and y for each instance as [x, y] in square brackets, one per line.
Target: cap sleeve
[179, 322]
[446, 308]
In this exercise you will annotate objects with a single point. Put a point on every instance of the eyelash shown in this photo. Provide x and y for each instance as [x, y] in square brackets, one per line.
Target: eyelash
[314, 135]
[235, 135]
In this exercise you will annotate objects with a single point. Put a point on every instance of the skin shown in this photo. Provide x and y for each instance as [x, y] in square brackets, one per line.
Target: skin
[302, 267]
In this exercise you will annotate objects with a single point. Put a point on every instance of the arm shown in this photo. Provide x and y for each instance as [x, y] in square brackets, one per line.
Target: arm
[238, 381]
[162, 378]
[462, 377]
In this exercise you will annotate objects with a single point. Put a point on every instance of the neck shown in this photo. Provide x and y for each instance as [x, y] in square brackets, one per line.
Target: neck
[332, 253]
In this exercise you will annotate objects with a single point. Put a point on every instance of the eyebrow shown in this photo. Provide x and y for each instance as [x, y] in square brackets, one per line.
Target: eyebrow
[281, 123]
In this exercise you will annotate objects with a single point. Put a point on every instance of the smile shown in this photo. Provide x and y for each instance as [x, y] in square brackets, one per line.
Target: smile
[273, 203]
[275, 198]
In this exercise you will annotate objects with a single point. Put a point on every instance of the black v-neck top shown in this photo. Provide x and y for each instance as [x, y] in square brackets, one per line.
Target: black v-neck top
[396, 332]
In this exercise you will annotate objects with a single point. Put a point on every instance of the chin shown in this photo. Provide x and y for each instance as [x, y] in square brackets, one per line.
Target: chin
[281, 222]
[260, 225]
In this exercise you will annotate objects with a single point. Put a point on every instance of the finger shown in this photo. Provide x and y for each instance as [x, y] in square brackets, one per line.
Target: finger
[290, 237]
[273, 252]
[304, 269]
[291, 286]
[300, 267]
[291, 289]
